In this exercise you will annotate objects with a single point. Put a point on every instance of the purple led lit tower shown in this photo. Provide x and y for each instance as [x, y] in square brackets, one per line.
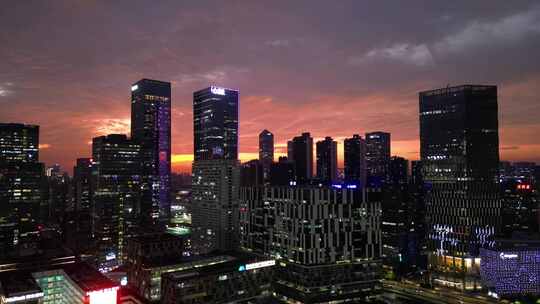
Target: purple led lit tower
[151, 127]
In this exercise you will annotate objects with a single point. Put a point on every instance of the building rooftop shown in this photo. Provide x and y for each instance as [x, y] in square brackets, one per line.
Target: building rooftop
[156, 238]
[239, 259]
[18, 284]
[455, 89]
[88, 278]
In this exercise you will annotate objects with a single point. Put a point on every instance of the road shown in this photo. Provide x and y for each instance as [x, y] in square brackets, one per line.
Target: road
[439, 296]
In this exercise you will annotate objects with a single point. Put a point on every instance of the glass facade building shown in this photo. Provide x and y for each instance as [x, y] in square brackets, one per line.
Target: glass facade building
[116, 195]
[300, 151]
[151, 128]
[21, 181]
[215, 123]
[216, 172]
[459, 148]
[327, 160]
[354, 155]
[266, 152]
[378, 157]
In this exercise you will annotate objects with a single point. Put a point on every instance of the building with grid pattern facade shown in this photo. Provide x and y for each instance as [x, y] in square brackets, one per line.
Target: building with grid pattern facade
[459, 147]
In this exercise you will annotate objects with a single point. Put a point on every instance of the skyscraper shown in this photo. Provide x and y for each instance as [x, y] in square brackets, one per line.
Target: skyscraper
[215, 123]
[378, 156]
[266, 151]
[115, 200]
[82, 174]
[300, 151]
[151, 128]
[214, 197]
[216, 174]
[395, 221]
[327, 160]
[459, 148]
[21, 180]
[355, 159]
[19, 143]
[399, 170]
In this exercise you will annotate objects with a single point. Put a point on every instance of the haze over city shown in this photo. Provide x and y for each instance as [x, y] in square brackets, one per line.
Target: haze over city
[334, 69]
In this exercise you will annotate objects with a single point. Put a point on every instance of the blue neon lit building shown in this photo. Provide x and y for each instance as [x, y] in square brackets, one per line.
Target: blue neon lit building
[512, 269]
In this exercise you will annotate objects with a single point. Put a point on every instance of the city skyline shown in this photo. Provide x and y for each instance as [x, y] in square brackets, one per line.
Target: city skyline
[59, 78]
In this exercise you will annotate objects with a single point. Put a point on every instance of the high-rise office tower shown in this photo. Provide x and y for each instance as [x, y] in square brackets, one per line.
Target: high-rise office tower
[215, 123]
[300, 151]
[378, 157]
[21, 181]
[355, 160]
[82, 174]
[399, 170]
[216, 174]
[116, 183]
[19, 143]
[327, 160]
[215, 205]
[459, 147]
[59, 194]
[417, 207]
[395, 216]
[151, 128]
[266, 152]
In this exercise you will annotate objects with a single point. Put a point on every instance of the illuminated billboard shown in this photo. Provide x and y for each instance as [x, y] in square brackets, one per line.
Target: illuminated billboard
[103, 296]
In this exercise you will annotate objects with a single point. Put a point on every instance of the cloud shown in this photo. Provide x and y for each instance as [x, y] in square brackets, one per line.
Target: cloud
[509, 29]
[106, 126]
[278, 43]
[418, 55]
[5, 89]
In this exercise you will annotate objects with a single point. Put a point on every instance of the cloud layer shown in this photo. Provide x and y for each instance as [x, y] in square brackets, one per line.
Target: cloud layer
[333, 69]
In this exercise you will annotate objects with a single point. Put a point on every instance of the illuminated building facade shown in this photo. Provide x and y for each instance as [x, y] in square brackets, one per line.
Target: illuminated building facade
[327, 160]
[216, 172]
[520, 207]
[115, 200]
[19, 143]
[21, 181]
[300, 151]
[355, 159]
[378, 157]
[242, 279]
[215, 205]
[512, 268]
[327, 240]
[266, 152]
[59, 280]
[215, 124]
[147, 257]
[459, 148]
[146, 274]
[151, 128]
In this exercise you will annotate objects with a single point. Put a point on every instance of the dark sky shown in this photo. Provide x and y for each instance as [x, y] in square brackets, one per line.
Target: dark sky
[333, 68]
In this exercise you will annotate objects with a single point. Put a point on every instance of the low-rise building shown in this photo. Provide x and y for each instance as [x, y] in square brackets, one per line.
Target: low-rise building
[244, 279]
[512, 268]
